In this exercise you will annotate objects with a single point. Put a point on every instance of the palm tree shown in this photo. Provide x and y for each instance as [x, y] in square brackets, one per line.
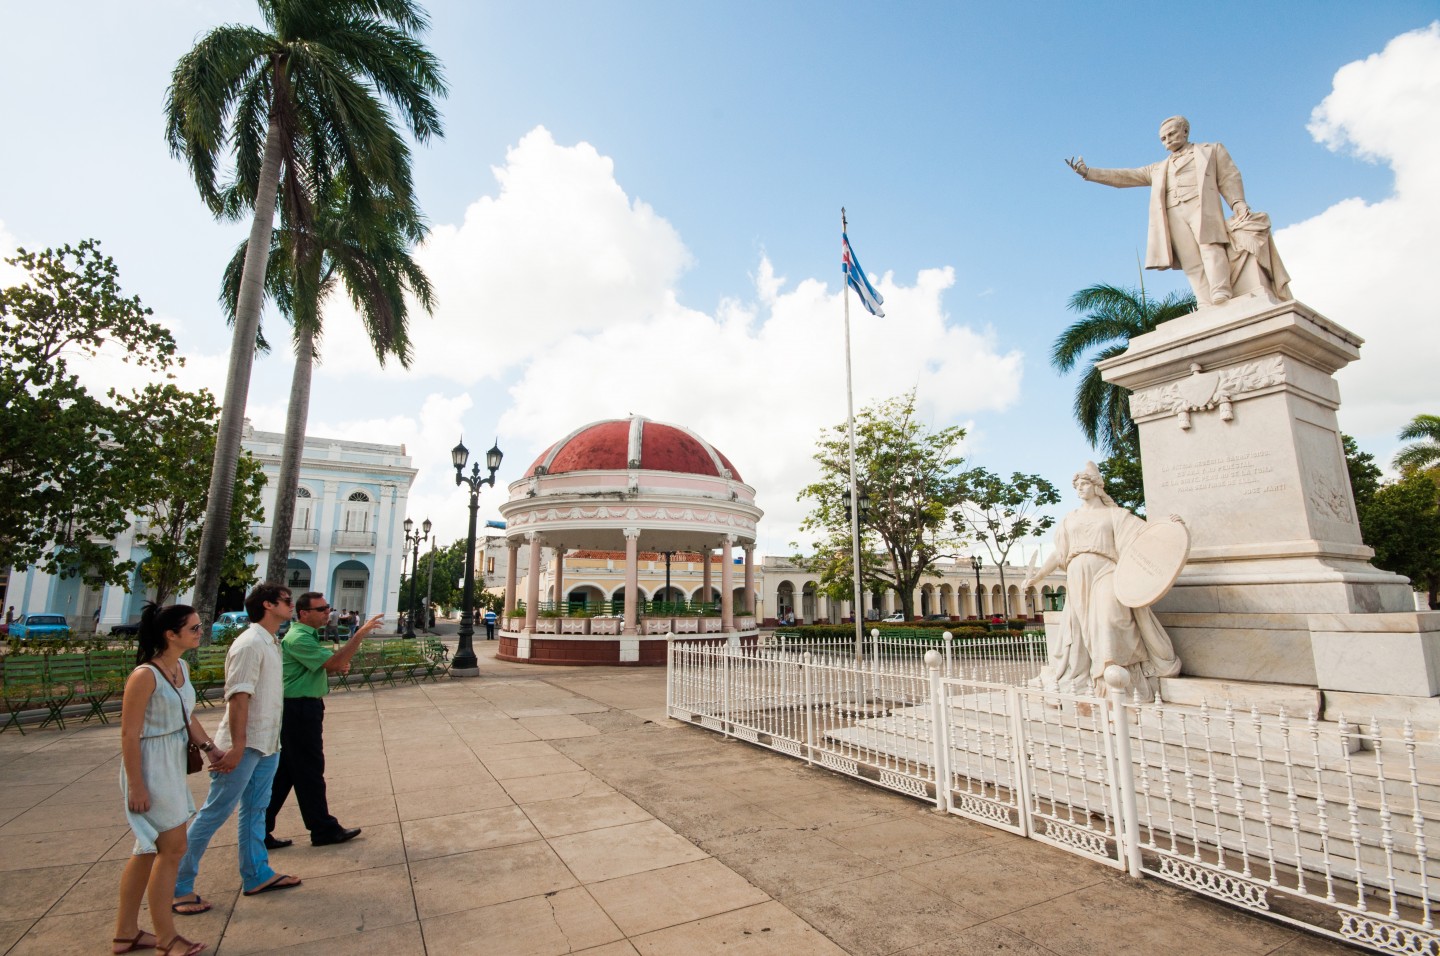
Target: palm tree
[1113, 316]
[364, 245]
[1424, 431]
[310, 95]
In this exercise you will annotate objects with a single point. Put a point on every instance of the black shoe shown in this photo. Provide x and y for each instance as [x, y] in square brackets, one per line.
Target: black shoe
[341, 836]
[273, 844]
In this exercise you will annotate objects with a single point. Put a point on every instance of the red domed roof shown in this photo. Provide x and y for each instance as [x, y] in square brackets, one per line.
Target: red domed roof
[622, 443]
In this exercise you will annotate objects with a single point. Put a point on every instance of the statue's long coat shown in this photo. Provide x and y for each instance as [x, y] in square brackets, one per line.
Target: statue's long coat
[1217, 176]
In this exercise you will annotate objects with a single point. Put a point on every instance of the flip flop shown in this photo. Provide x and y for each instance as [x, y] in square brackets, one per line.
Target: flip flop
[276, 884]
[133, 944]
[197, 901]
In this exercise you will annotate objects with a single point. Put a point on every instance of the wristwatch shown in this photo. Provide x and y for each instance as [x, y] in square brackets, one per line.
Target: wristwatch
[207, 746]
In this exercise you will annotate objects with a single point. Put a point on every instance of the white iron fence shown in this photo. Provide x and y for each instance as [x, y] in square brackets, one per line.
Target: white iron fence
[1324, 825]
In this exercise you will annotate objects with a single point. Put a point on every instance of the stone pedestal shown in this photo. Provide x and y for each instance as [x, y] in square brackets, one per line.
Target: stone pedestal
[1235, 406]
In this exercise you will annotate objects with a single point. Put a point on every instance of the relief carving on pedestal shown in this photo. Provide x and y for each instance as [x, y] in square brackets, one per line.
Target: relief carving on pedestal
[1205, 391]
[1330, 500]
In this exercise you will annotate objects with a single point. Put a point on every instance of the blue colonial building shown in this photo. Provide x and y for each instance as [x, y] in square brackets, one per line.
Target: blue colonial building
[347, 541]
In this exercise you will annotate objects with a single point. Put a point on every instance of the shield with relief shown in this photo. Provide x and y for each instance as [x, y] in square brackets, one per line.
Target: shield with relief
[1152, 562]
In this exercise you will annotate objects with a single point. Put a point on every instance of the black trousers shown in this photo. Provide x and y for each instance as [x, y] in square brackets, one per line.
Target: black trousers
[302, 767]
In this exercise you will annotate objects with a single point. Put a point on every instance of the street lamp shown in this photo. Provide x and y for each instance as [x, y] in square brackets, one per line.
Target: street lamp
[412, 544]
[466, 664]
[977, 563]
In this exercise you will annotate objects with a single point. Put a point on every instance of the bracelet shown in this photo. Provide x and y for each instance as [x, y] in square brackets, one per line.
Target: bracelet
[207, 746]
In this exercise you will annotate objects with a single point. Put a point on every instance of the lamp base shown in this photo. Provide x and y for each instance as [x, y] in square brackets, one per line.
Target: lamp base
[464, 672]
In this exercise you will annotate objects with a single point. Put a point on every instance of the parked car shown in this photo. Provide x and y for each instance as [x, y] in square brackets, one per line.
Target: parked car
[235, 621]
[40, 627]
[238, 620]
[897, 618]
[130, 630]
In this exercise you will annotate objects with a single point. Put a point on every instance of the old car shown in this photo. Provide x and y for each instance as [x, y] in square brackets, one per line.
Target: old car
[40, 627]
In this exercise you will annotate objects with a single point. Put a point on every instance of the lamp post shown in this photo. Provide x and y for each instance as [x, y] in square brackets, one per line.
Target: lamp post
[466, 664]
[412, 543]
[977, 563]
[862, 498]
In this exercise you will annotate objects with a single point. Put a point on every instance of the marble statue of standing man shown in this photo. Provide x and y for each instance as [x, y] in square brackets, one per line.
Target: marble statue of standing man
[1188, 229]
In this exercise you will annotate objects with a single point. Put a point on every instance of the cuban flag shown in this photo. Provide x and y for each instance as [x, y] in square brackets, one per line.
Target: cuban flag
[855, 278]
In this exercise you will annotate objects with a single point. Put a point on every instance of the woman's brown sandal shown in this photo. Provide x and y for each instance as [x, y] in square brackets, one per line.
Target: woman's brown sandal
[134, 943]
[191, 949]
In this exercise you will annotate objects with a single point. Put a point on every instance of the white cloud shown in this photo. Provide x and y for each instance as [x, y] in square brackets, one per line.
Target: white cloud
[569, 284]
[560, 249]
[1365, 264]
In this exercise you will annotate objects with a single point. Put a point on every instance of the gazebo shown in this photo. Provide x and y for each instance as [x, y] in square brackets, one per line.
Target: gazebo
[628, 486]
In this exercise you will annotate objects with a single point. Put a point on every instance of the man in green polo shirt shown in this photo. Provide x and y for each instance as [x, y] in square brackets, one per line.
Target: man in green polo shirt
[307, 666]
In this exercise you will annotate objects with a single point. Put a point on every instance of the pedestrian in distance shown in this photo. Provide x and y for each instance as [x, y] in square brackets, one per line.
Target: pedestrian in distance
[250, 734]
[489, 624]
[307, 666]
[157, 724]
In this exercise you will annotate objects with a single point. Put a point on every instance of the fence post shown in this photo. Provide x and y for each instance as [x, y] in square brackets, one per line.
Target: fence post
[807, 679]
[669, 677]
[949, 654]
[939, 738]
[1118, 679]
[725, 690]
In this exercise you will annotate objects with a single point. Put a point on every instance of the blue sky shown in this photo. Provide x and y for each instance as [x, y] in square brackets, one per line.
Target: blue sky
[663, 167]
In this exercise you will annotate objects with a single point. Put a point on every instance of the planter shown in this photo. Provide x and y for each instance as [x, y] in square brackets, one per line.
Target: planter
[655, 625]
[710, 625]
[746, 623]
[574, 625]
[605, 625]
[687, 625]
[513, 624]
[547, 625]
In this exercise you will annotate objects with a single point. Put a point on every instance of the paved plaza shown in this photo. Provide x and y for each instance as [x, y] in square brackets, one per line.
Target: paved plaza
[556, 810]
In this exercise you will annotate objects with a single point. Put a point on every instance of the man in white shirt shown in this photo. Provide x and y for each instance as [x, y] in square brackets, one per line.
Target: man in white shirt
[250, 736]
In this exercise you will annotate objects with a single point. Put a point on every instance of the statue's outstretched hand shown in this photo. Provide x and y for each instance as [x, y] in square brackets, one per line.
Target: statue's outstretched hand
[1077, 163]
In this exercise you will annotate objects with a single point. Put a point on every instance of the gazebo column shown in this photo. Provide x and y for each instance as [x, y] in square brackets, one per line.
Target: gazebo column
[705, 586]
[560, 603]
[632, 580]
[532, 585]
[512, 574]
[727, 597]
[750, 580]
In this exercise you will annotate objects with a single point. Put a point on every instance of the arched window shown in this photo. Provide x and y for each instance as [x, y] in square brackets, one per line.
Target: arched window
[357, 512]
[304, 509]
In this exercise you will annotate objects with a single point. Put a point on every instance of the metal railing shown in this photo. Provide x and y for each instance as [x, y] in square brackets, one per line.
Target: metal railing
[1323, 825]
[1000, 656]
[352, 540]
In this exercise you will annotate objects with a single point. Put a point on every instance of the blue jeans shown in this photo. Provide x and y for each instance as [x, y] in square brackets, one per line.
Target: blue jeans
[248, 785]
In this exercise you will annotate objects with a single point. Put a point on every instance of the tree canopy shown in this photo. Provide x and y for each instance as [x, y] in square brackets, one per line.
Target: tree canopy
[912, 477]
[999, 513]
[61, 481]
[1112, 317]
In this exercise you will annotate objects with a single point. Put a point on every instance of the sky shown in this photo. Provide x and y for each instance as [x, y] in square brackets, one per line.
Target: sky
[636, 209]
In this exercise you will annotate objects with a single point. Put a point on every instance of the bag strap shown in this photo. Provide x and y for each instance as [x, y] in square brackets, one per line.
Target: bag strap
[186, 716]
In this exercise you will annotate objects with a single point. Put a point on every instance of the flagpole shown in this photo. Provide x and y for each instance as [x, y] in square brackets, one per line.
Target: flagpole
[858, 605]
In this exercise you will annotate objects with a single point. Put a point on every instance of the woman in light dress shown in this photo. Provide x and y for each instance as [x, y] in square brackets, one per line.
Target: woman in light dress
[157, 722]
[1098, 630]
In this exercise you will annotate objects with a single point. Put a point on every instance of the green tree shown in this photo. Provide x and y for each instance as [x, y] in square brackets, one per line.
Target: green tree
[362, 243]
[911, 474]
[61, 499]
[1112, 317]
[168, 450]
[449, 564]
[1424, 432]
[1125, 477]
[999, 514]
[312, 94]
[1402, 524]
[1364, 475]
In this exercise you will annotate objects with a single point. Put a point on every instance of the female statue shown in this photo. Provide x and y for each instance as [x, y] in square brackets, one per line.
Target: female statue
[1098, 630]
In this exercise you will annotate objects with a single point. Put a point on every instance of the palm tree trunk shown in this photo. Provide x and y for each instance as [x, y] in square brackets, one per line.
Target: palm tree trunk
[237, 384]
[288, 485]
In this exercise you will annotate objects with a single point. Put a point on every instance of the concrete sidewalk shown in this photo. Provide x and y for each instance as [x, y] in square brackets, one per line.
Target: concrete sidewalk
[555, 810]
